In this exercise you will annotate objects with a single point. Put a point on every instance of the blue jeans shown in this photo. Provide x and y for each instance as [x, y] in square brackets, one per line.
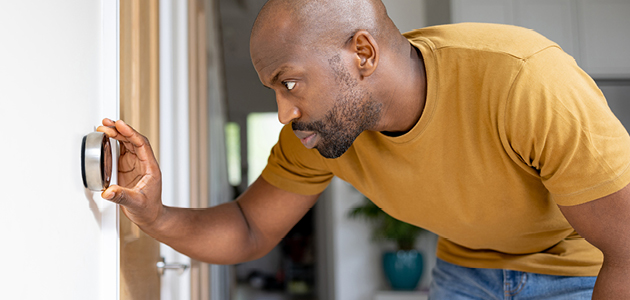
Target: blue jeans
[452, 282]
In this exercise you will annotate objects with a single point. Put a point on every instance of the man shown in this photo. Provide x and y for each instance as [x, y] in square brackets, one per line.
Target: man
[488, 135]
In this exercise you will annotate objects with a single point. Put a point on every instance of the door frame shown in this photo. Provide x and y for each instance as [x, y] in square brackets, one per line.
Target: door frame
[109, 101]
[174, 132]
[139, 106]
[191, 113]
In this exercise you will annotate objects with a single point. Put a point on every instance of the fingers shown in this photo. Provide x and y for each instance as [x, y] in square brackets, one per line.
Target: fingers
[109, 128]
[131, 134]
[122, 131]
[132, 139]
[115, 194]
[141, 207]
[108, 122]
[142, 148]
[119, 195]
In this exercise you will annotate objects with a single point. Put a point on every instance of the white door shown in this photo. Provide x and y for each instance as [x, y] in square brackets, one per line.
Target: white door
[58, 79]
[174, 145]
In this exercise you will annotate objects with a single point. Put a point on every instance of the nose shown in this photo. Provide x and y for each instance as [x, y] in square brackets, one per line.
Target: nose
[287, 112]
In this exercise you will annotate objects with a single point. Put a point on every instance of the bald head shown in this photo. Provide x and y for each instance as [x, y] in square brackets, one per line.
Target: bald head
[335, 66]
[326, 23]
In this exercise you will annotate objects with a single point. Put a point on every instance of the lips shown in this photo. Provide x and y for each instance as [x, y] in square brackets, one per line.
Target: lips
[308, 138]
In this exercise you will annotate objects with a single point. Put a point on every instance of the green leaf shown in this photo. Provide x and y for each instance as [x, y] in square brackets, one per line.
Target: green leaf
[385, 227]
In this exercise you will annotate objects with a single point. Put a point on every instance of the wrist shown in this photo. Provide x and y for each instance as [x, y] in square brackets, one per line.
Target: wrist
[157, 228]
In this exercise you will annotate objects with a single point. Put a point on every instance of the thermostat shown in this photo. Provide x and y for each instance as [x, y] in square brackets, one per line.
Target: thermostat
[96, 161]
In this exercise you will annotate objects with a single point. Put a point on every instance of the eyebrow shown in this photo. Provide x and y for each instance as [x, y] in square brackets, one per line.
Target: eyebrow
[277, 74]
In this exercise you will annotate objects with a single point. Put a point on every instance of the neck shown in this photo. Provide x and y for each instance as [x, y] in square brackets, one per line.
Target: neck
[405, 101]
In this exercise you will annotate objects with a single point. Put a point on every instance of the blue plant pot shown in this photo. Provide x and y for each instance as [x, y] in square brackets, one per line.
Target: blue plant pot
[403, 269]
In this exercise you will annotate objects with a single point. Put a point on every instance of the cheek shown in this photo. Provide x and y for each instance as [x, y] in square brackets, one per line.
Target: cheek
[316, 105]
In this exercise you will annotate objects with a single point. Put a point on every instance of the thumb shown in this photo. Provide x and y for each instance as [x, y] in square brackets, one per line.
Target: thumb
[116, 194]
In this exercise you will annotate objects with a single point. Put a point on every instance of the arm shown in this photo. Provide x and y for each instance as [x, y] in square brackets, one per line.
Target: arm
[605, 223]
[230, 233]
[237, 231]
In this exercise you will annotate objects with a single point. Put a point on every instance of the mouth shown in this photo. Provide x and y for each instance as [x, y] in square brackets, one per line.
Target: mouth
[308, 138]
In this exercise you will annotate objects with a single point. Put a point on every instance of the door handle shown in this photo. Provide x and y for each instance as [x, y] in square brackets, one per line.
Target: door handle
[96, 161]
[163, 266]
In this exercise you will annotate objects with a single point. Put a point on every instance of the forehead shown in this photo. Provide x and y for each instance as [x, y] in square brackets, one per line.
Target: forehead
[268, 49]
[270, 34]
[273, 53]
[281, 42]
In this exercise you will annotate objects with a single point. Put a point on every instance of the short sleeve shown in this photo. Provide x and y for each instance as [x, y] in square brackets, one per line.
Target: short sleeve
[558, 124]
[294, 168]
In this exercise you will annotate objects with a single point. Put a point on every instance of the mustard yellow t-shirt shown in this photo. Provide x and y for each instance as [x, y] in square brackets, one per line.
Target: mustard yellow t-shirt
[511, 128]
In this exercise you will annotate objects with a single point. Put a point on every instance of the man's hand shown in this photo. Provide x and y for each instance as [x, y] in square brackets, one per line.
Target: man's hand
[139, 186]
[230, 233]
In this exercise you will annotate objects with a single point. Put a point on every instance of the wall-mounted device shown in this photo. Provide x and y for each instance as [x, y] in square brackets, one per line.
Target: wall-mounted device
[96, 161]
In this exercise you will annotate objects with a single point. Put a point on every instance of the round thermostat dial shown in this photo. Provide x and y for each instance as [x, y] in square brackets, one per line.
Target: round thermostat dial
[96, 161]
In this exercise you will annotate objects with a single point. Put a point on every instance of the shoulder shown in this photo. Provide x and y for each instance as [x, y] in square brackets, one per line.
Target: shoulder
[290, 147]
[512, 40]
[294, 168]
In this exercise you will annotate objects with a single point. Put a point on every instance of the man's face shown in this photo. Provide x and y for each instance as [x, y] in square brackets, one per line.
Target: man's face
[326, 104]
[352, 112]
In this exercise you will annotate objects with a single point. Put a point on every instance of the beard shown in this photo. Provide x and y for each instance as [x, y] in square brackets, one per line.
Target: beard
[354, 111]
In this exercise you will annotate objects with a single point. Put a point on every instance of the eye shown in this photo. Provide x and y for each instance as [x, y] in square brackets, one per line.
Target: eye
[289, 84]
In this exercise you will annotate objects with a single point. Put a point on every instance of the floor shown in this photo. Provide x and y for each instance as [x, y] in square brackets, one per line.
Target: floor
[246, 292]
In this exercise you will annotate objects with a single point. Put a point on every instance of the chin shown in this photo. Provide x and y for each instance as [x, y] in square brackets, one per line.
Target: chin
[332, 153]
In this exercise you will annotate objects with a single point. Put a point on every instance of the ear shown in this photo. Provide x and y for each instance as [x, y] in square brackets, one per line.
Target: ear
[366, 52]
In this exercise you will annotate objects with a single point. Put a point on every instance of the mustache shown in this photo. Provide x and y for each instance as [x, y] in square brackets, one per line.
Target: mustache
[303, 126]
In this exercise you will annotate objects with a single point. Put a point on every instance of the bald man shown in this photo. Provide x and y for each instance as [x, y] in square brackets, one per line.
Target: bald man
[488, 135]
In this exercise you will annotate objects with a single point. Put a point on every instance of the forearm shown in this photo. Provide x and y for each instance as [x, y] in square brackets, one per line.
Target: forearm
[605, 223]
[230, 233]
[218, 235]
[613, 281]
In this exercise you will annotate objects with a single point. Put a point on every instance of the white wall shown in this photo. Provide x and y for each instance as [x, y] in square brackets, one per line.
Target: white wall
[617, 93]
[56, 83]
[407, 14]
[357, 260]
[357, 267]
[593, 32]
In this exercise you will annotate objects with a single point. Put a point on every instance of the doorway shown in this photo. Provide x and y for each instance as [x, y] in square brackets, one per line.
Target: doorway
[289, 270]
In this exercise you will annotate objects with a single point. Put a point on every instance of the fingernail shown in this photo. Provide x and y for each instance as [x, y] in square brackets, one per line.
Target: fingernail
[108, 196]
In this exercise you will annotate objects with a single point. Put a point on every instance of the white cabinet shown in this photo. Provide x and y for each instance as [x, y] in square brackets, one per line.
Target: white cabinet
[484, 11]
[554, 19]
[595, 33]
[604, 27]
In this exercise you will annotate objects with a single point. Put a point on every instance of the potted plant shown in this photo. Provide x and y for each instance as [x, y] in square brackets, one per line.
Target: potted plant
[403, 268]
